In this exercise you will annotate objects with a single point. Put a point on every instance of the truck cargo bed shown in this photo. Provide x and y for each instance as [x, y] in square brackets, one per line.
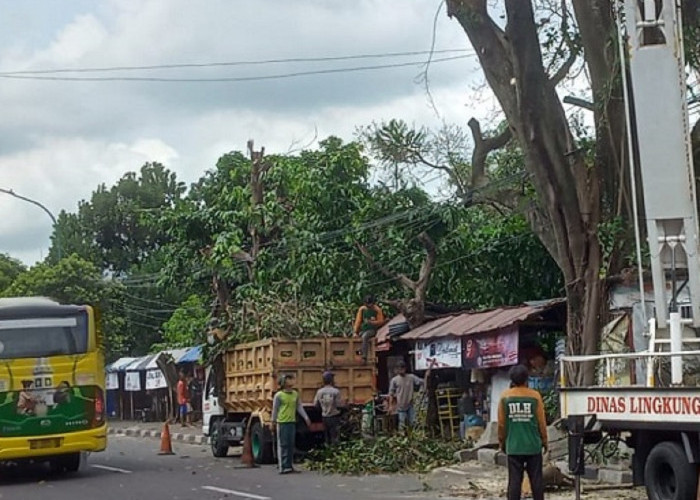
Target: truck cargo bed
[252, 371]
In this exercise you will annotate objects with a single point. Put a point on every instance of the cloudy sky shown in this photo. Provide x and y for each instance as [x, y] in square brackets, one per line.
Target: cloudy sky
[59, 139]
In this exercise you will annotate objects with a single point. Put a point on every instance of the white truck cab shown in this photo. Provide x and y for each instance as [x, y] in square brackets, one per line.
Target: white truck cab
[211, 411]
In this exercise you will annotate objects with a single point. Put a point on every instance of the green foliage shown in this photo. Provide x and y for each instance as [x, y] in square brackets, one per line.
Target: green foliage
[116, 227]
[400, 453]
[187, 325]
[9, 270]
[316, 208]
[76, 281]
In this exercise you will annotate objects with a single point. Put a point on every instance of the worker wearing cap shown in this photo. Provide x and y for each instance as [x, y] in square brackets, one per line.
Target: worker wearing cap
[328, 399]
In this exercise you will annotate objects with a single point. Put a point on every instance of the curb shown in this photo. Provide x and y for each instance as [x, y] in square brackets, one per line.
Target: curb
[490, 456]
[175, 436]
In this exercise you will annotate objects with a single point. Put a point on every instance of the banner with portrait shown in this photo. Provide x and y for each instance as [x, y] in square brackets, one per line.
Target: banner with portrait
[492, 350]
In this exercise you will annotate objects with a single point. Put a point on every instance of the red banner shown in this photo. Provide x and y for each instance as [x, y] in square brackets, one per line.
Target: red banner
[491, 350]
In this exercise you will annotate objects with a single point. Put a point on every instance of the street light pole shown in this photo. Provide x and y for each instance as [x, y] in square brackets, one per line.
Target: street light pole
[48, 212]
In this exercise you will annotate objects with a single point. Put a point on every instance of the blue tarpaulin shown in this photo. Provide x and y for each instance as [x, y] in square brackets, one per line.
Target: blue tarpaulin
[191, 356]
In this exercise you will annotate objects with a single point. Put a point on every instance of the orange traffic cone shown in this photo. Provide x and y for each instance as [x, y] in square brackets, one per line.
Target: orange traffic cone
[166, 445]
[247, 458]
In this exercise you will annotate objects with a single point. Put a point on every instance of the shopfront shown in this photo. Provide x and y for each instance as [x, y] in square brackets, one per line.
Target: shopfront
[471, 354]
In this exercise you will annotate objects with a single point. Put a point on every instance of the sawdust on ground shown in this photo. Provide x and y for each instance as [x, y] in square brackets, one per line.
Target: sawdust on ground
[478, 481]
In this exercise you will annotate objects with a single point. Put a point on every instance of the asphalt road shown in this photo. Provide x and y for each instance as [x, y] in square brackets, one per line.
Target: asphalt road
[132, 469]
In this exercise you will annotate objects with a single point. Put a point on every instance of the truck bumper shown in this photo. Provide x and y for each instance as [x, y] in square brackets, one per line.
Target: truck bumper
[74, 442]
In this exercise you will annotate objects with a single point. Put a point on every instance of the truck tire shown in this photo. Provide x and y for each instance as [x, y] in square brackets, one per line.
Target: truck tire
[261, 443]
[668, 474]
[219, 444]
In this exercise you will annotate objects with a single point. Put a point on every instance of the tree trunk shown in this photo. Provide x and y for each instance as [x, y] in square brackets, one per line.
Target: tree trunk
[568, 190]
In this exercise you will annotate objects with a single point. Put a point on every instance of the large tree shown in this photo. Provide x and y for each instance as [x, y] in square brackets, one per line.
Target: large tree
[10, 268]
[576, 194]
[76, 281]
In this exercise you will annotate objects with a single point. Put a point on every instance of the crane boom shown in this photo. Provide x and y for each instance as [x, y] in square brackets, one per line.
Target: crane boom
[658, 83]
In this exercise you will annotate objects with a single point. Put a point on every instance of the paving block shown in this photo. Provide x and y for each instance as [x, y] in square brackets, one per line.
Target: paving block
[487, 456]
[490, 436]
[466, 455]
[590, 472]
[612, 476]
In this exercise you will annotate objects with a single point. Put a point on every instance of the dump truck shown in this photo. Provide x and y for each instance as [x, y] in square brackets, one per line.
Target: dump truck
[240, 387]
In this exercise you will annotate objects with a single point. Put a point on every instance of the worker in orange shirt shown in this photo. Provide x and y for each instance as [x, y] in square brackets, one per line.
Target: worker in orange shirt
[183, 400]
[368, 319]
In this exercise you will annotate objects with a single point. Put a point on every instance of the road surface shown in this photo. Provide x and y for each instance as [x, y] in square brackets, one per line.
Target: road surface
[132, 469]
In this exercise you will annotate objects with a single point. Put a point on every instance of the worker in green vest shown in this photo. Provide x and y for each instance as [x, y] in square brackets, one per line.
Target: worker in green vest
[285, 407]
[368, 319]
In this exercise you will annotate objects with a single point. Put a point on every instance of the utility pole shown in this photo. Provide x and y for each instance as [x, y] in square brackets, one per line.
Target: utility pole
[48, 212]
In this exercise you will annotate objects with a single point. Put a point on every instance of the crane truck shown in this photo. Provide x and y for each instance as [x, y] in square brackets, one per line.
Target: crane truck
[659, 417]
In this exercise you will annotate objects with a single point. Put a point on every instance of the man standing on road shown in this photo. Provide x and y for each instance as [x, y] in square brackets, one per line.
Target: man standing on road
[401, 390]
[183, 399]
[522, 434]
[328, 399]
[368, 319]
[285, 407]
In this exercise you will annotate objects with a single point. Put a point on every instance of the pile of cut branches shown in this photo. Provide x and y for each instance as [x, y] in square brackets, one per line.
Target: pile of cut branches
[386, 454]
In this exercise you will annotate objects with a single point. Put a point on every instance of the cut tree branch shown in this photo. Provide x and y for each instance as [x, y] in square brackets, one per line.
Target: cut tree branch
[482, 147]
[581, 103]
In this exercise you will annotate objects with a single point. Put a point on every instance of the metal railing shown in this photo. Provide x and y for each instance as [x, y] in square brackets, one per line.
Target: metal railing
[650, 356]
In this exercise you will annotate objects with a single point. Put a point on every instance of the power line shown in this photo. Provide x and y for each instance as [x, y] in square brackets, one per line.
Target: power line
[224, 79]
[230, 63]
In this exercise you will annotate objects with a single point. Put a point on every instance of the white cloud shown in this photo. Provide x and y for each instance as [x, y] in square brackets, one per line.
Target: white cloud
[59, 140]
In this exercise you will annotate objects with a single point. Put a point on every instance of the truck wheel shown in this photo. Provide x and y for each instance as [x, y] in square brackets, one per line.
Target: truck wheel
[219, 444]
[261, 443]
[669, 475]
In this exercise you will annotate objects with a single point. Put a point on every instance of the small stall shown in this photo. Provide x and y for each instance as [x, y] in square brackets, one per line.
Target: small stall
[138, 389]
[114, 384]
[471, 354]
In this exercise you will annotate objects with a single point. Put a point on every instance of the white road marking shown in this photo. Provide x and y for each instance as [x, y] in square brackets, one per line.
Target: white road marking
[242, 494]
[111, 469]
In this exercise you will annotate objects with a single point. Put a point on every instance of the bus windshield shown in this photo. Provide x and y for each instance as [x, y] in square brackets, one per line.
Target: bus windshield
[43, 337]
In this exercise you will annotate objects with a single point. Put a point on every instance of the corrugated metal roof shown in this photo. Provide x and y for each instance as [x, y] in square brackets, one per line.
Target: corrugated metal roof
[119, 364]
[139, 363]
[470, 323]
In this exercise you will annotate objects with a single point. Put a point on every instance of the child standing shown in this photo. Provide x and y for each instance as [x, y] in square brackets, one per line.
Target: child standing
[285, 407]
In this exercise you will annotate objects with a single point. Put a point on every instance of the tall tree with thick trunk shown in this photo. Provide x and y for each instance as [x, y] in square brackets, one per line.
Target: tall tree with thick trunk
[567, 210]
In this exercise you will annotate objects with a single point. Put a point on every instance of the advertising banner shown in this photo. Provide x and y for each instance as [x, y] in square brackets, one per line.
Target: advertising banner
[155, 380]
[444, 353]
[112, 381]
[132, 381]
[492, 350]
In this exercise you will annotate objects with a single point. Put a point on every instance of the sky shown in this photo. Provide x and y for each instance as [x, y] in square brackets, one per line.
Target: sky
[60, 139]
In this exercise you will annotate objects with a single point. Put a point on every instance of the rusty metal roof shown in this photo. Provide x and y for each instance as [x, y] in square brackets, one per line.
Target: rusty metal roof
[470, 323]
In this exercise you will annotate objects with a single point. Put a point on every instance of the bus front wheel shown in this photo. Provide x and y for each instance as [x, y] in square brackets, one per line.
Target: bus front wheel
[65, 463]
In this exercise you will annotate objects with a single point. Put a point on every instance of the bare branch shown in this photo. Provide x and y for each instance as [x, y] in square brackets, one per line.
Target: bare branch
[428, 262]
[401, 278]
[564, 69]
[482, 147]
